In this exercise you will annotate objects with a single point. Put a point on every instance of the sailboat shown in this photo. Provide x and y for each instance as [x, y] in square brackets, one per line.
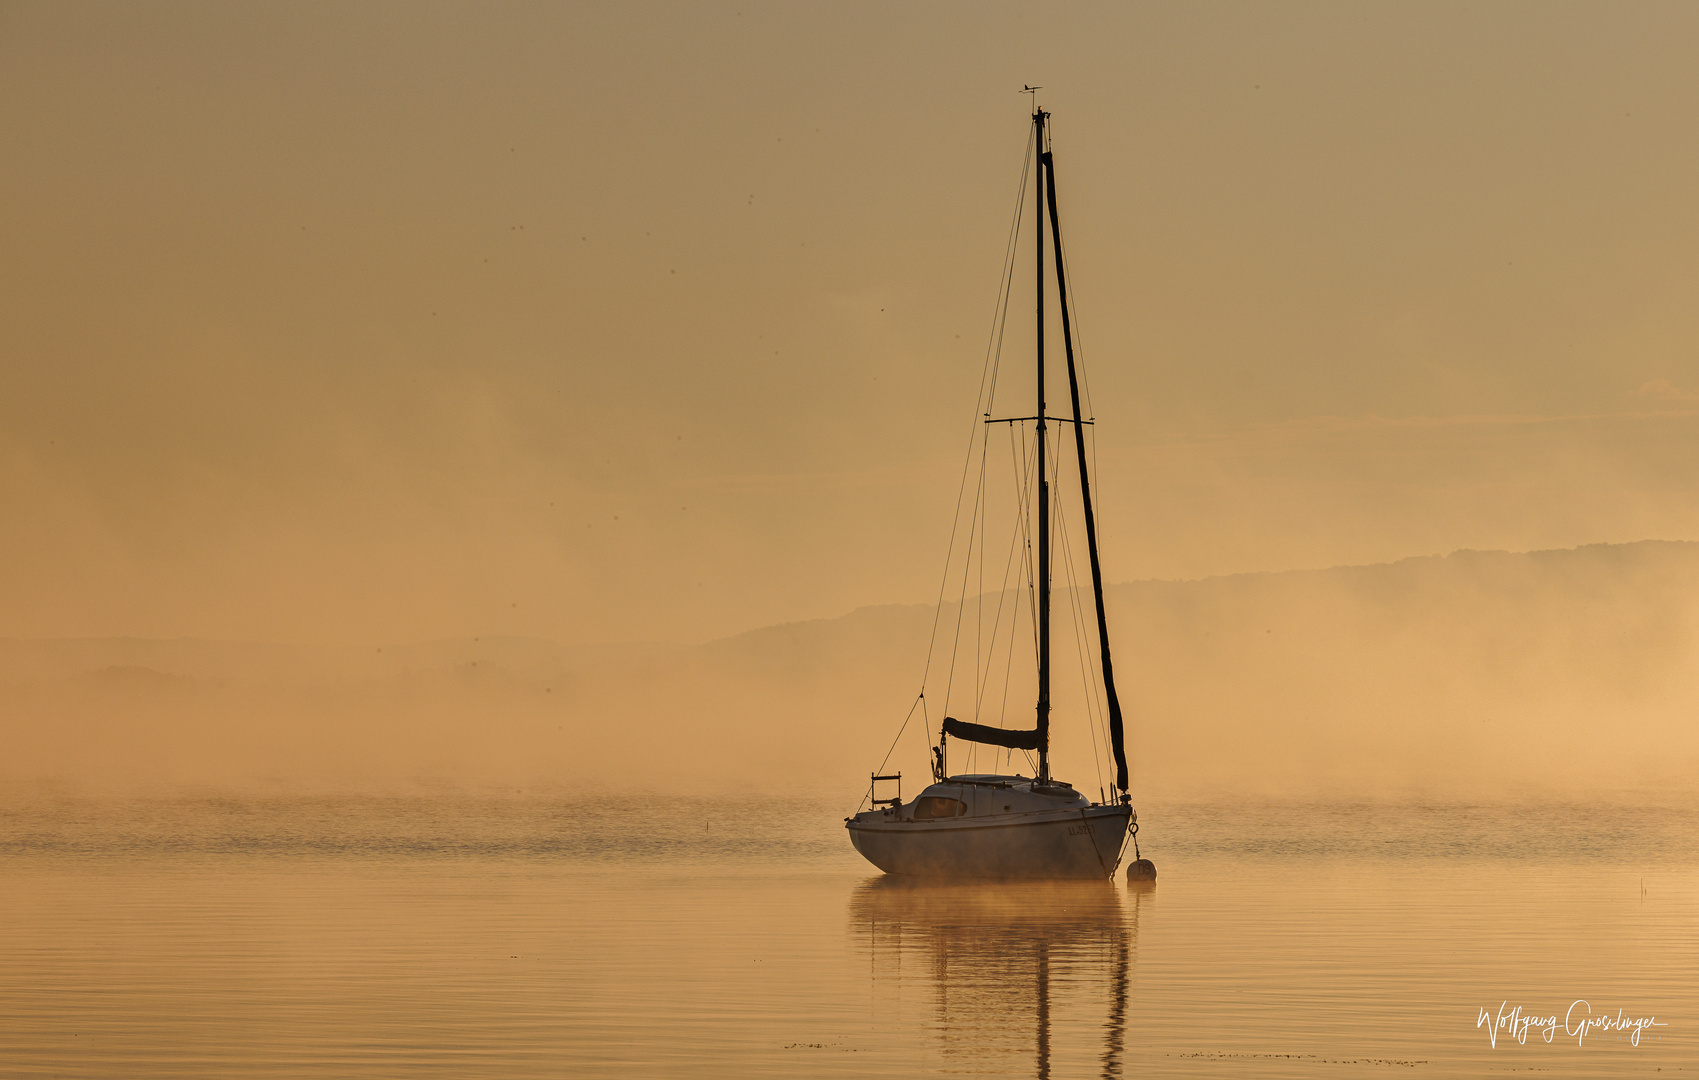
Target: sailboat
[998, 825]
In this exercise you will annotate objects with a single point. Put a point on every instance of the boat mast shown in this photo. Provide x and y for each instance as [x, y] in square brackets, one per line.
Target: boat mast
[1038, 118]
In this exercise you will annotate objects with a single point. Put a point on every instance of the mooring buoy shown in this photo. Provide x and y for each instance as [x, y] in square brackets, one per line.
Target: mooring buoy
[1141, 870]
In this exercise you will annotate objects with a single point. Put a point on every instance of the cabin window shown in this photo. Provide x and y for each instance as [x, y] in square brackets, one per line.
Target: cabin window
[931, 806]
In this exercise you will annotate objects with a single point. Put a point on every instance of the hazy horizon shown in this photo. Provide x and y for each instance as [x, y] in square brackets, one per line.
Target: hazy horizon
[930, 605]
[1476, 676]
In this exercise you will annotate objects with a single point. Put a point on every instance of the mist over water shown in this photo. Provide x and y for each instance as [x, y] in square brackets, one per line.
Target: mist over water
[729, 936]
[1480, 676]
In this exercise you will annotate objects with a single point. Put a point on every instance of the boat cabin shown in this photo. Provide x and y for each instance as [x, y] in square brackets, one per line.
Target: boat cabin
[981, 795]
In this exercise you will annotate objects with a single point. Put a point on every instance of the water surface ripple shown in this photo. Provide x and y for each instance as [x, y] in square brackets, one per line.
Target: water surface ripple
[528, 935]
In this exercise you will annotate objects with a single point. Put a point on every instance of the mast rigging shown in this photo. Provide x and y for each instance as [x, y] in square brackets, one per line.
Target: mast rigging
[1044, 171]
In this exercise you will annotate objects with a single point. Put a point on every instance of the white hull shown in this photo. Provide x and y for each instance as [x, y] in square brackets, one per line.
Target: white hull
[1083, 842]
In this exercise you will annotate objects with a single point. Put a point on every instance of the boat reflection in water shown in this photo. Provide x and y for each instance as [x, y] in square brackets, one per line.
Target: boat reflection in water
[1009, 968]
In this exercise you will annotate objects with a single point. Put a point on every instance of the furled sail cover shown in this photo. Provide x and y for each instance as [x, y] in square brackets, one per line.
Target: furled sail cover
[994, 736]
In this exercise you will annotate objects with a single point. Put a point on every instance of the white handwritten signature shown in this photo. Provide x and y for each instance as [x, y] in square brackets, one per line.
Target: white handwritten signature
[1578, 1023]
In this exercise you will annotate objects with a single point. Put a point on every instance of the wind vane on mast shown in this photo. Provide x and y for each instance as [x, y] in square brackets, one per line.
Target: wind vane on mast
[1033, 90]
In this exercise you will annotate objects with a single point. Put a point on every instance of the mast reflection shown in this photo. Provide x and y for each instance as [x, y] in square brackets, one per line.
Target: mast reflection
[1000, 960]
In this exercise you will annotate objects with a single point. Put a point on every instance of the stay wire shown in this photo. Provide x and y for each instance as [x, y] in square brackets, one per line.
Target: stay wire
[1022, 475]
[982, 404]
[1003, 590]
[1090, 408]
[1073, 312]
[1024, 491]
[1000, 314]
[988, 379]
[988, 394]
[1084, 633]
[1082, 646]
[976, 530]
[887, 758]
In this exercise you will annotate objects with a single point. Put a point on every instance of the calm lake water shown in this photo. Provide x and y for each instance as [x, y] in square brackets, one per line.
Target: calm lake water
[531, 936]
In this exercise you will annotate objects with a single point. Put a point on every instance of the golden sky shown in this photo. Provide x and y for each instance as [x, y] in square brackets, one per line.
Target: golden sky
[366, 323]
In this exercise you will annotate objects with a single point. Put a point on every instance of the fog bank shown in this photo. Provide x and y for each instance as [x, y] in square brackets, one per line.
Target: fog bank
[1478, 675]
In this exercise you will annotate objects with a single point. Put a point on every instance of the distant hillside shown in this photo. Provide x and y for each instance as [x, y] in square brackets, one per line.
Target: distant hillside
[1475, 673]
[1470, 675]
